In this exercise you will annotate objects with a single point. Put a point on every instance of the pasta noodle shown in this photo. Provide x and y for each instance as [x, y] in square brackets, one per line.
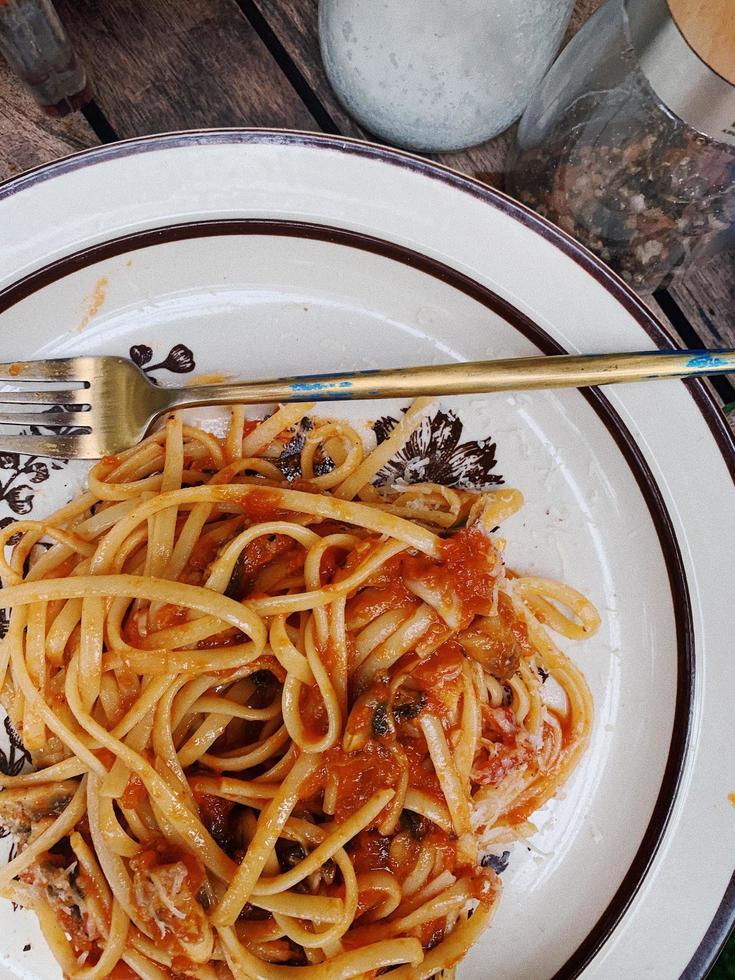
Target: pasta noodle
[276, 723]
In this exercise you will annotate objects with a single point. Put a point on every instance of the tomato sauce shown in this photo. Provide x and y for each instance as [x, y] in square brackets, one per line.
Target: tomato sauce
[360, 553]
[227, 638]
[203, 553]
[420, 777]
[75, 926]
[134, 793]
[262, 505]
[370, 851]
[484, 885]
[443, 846]
[373, 602]
[521, 813]
[471, 564]
[368, 898]
[433, 637]
[182, 966]
[158, 856]
[123, 972]
[501, 727]
[313, 713]
[467, 568]
[262, 551]
[258, 555]
[106, 757]
[133, 630]
[431, 933]
[162, 852]
[439, 676]
[360, 775]
[171, 615]
[332, 560]
[215, 813]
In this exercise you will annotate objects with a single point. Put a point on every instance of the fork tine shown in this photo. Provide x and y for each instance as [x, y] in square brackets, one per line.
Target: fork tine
[80, 397]
[56, 369]
[53, 420]
[55, 447]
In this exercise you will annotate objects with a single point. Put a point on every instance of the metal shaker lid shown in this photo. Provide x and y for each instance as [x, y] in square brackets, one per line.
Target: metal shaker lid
[682, 80]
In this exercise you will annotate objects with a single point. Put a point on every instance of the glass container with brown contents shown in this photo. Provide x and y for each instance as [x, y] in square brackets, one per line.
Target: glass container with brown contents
[629, 143]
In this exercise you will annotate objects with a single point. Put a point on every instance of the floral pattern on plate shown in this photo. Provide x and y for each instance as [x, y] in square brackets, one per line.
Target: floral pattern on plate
[434, 454]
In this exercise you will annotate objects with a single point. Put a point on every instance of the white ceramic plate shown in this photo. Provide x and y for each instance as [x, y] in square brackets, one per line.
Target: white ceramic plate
[255, 254]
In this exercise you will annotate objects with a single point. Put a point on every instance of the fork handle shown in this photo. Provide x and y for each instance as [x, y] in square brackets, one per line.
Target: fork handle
[471, 377]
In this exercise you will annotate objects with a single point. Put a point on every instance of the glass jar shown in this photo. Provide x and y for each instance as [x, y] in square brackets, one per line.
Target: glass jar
[629, 145]
[438, 74]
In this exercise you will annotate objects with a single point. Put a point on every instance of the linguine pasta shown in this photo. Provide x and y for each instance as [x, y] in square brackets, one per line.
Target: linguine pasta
[277, 725]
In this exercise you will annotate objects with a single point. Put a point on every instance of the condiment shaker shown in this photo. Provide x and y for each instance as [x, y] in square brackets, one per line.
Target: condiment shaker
[37, 48]
[629, 142]
[438, 74]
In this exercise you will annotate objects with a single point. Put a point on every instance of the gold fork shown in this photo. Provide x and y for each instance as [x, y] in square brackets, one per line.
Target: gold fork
[109, 403]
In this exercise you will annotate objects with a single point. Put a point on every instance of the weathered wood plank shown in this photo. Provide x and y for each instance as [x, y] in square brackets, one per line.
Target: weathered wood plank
[707, 297]
[163, 65]
[684, 338]
[486, 162]
[27, 136]
[296, 24]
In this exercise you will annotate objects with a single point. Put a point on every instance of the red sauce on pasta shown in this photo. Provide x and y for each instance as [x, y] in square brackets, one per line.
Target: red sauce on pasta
[134, 792]
[123, 972]
[465, 571]
[421, 773]
[169, 615]
[178, 875]
[431, 933]
[439, 676]
[470, 563]
[359, 774]
[105, 756]
[313, 713]
[262, 505]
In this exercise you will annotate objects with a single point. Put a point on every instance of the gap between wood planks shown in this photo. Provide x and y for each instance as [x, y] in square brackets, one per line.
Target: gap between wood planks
[691, 338]
[163, 65]
[99, 123]
[289, 67]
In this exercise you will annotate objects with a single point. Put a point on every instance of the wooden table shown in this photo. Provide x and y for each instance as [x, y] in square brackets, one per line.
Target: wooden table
[162, 65]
